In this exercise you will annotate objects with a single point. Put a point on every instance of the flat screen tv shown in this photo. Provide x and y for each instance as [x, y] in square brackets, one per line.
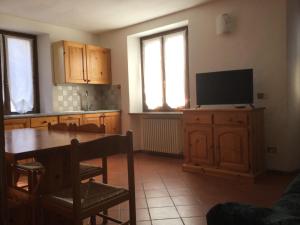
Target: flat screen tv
[225, 87]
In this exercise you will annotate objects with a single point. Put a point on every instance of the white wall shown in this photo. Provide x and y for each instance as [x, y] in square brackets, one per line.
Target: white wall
[259, 42]
[46, 35]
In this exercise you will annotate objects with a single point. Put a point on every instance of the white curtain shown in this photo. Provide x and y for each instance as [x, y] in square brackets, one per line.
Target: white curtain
[2, 65]
[153, 78]
[20, 73]
[175, 59]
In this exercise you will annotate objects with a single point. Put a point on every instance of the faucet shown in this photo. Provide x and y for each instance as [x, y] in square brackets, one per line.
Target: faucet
[88, 106]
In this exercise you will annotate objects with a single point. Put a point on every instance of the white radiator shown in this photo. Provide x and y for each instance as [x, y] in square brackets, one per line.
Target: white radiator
[162, 135]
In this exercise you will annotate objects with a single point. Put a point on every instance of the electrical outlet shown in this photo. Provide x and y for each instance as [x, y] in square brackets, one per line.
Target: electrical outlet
[272, 150]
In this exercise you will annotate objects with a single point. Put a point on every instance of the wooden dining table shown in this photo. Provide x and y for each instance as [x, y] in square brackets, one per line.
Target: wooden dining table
[49, 147]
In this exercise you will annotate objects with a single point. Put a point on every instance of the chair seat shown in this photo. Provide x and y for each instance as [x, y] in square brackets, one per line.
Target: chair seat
[88, 171]
[30, 166]
[92, 195]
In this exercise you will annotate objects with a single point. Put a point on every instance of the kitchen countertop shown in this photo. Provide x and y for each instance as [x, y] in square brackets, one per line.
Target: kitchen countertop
[57, 113]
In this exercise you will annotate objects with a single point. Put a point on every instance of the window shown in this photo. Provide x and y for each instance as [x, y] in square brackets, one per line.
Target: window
[20, 89]
[164, 68]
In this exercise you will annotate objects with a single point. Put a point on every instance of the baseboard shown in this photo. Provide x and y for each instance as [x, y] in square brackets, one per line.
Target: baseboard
[161, 154]
[284, 173]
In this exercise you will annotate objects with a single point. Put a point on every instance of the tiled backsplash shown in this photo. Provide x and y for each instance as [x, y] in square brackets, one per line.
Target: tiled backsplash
[73, 97]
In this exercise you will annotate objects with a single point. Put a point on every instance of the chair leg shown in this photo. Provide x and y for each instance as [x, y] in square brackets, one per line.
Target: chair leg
[104, 167]
[104, 180]
[93, 220]
[104, 220]
[132, 211]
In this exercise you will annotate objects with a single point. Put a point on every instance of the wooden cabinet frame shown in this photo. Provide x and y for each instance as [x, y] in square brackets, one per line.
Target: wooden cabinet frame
[81, 63]
[225, 142]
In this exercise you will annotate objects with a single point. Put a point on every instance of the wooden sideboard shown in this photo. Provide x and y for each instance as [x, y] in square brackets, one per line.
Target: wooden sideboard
[224, 142]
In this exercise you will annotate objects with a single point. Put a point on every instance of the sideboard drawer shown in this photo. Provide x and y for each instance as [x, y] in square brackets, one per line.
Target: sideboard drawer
[43, 121]
[230, 118]
[196, 117]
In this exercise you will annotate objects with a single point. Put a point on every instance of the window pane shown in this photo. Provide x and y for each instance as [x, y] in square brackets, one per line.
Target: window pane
[20, 74]
[175, 63]
[152, 73]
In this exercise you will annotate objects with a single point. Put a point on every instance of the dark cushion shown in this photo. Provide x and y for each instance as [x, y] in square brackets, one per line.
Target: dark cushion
[236, 214]
[294, 186]
[280, 218]
[289, 203]
[285, 212]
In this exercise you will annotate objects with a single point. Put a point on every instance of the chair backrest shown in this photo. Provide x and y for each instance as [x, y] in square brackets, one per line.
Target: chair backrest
[58, 126]
[88, 128]
[102, 147]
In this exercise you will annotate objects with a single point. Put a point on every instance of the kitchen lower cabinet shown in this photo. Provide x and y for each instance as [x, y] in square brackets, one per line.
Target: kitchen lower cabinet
[16, 123]
[71, 119]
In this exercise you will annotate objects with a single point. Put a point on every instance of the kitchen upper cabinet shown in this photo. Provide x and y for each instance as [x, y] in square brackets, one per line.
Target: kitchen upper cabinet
[80, 63]
[75, 62]
[98, 65]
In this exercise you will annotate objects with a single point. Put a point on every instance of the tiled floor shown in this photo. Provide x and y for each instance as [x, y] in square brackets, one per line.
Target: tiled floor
[165, 195]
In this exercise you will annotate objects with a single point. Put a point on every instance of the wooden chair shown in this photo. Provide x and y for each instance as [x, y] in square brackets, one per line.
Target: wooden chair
[29, 194]
[58, 126]
[87, 171]
[91, 127]
[84, 200]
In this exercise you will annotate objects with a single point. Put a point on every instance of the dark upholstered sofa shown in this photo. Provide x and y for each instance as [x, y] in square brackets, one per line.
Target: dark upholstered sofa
[285, 212]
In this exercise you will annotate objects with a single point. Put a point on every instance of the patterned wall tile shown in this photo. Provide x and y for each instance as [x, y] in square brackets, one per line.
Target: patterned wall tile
[73, 97]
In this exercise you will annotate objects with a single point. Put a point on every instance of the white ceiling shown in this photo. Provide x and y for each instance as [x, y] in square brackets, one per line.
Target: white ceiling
[94, 15]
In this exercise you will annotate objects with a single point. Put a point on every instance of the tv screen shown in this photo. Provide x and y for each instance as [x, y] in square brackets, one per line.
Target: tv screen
[225, 87]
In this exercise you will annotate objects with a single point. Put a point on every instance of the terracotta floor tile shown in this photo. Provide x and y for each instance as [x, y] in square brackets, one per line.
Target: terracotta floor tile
[185, 200]
[193, 194]
[140, 194]
[159, 202]
[141, 203]
[163, 213]
[142, 214]
[143, 223]
[180, 191]
[190, 211]
[154, 186]
[167, 222]
[156, 193]
[194, 221]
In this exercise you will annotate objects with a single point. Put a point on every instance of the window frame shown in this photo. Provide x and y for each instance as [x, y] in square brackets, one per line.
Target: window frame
[160, 35]
[36, 97]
